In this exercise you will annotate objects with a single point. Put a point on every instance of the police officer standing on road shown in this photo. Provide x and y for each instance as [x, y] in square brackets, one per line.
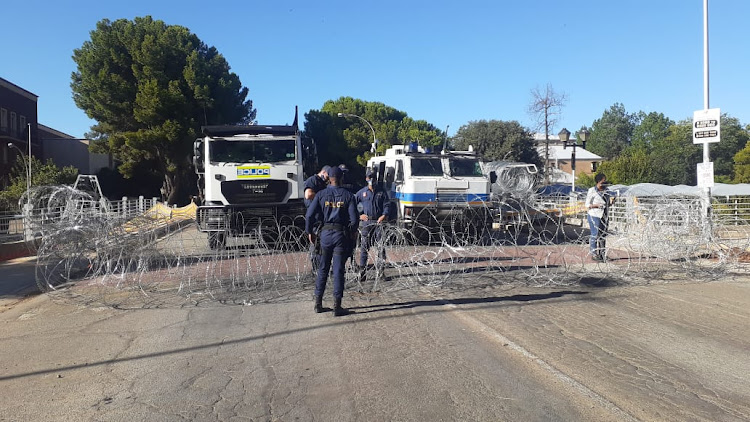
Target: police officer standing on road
[313, 185]
[374, 206]
[335, 207]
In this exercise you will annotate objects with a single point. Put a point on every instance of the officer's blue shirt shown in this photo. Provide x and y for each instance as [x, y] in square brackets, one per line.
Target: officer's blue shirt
[374, 203]
[316, 183]
[336, 205]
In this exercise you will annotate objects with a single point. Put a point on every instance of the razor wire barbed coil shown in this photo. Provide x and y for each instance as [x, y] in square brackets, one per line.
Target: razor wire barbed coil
[116, 254]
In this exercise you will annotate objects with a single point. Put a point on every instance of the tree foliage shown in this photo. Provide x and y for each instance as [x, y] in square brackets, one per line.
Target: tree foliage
[347, 140]
[612, 133]
[733, 139]
[674, 158]
[742, 165]
[41, 174]
[150, 86]
[650, 128]
[497, 140]
[631, 167]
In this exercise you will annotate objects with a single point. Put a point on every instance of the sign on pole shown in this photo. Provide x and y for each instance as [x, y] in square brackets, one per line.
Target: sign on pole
[706, 125]
[706, 175]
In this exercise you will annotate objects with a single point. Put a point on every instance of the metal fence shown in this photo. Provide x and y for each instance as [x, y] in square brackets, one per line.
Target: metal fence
[13, 225]
[729, 210]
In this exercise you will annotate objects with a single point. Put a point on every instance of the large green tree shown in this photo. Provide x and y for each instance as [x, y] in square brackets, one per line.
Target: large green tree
[631, 167]
[496, 140]
[742, 165]
[347, 139]
[674, 158]
[612, 133]
[651, 127]
[733, 139]
[150, 86]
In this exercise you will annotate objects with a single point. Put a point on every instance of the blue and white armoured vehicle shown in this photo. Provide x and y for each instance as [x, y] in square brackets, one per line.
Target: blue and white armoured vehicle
[445, 191]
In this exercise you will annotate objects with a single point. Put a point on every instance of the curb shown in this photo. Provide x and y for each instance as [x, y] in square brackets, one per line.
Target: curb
[13, 250]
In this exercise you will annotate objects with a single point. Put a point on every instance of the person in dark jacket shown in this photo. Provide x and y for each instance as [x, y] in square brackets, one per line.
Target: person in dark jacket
[335, 207]
[374, 207]
[313, 185]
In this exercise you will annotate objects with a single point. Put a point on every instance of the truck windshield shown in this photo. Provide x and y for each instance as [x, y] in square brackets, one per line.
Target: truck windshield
[464, 167]
[426, 167]
[252, 151]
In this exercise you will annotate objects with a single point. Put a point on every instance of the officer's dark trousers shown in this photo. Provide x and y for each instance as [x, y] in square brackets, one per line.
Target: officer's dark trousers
[370, 235]
[334, 247]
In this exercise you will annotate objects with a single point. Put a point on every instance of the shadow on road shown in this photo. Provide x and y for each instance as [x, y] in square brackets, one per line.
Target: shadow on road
[463, 301]
[265, 336]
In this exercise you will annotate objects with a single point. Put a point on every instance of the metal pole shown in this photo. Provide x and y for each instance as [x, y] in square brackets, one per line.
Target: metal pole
[374, 140]
[706, 157]
[28, 179]
[705, 54]
[573, 166]
[25, 163]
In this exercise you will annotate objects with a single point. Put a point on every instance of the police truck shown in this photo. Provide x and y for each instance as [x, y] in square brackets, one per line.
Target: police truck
[250, 181]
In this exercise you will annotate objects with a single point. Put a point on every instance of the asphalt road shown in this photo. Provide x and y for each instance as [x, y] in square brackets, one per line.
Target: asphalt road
[675, 351]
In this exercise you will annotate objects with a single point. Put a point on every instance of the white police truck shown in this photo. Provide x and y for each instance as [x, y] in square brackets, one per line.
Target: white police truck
[433, 193]
[250, 178]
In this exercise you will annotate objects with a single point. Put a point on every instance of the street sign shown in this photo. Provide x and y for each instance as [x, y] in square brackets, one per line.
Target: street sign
[706, 125]
[706, 175]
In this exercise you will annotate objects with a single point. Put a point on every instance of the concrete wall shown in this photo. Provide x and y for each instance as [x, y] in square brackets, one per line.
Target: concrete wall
[74, 152]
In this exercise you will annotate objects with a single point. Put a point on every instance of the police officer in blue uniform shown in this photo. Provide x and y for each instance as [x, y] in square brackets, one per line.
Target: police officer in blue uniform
[335, 207]
[313, 185]
[375, 207]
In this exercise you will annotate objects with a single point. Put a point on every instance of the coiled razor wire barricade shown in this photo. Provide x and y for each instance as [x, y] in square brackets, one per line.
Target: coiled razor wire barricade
[158, 255]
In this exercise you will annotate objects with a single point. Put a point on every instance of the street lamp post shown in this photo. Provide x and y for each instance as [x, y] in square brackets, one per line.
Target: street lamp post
[26, 164]
[374, 140]
[565, 138]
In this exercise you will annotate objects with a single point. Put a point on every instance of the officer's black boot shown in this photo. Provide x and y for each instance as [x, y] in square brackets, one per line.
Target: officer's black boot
[337, 309]
[362, 274]
[318, 304]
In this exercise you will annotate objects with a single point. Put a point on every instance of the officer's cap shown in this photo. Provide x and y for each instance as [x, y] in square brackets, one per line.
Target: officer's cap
[370, 173]
[335, 173]
[327, 169]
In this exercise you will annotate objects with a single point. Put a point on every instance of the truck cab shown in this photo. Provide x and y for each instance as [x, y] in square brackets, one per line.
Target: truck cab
[250, 176]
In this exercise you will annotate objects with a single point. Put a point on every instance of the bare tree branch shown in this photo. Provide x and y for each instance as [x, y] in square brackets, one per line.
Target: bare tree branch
[545, 107]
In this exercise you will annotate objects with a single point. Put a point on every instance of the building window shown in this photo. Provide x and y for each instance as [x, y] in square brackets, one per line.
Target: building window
[3, 120]
[22, 123]
[13, 124]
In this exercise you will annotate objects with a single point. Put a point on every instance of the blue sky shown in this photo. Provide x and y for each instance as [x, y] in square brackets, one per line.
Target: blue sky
[445, 62]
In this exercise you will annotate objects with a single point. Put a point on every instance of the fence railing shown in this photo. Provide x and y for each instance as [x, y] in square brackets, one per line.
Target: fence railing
[626, 211]
[13, 225]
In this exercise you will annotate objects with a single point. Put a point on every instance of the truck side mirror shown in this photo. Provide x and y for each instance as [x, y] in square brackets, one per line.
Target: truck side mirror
[493, 177]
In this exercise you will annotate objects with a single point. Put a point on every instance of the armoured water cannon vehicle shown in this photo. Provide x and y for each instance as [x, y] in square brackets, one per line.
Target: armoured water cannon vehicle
[434, 191]
[249, 176]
